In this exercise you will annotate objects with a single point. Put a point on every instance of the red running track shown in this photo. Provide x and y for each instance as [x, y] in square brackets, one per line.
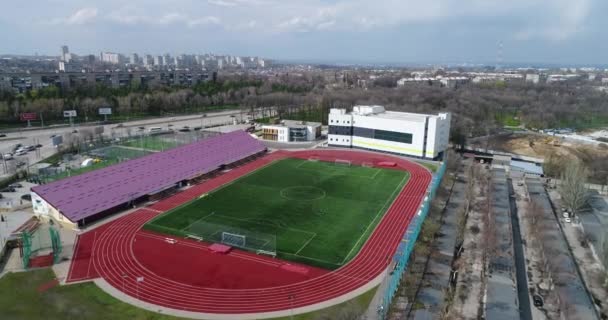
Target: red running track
[120, 251]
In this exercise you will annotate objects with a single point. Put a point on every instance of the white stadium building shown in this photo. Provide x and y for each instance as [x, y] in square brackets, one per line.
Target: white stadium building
[374, 128]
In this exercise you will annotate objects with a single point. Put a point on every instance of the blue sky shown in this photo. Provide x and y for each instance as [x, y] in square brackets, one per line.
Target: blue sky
[403, 31]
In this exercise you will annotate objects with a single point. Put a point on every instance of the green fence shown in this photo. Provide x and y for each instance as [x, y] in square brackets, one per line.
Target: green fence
[42, 239]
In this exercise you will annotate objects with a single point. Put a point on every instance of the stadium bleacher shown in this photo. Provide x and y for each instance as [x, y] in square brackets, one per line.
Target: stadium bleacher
[91, 193]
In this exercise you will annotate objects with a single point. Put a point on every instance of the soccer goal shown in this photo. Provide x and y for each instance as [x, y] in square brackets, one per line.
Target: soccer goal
[343, 163]
[233, 239]
[314, 159]
[367, 164]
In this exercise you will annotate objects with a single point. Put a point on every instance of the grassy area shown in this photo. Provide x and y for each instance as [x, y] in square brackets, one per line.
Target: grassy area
[348, 310]
[509, 119]
[321, 213]
[118, 153]
[431, 166]
[81, 170]
[21, 300]
[156, 143]
[109, 155]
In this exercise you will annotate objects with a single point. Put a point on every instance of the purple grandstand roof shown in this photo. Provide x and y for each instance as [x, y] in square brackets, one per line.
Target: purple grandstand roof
[90, 193]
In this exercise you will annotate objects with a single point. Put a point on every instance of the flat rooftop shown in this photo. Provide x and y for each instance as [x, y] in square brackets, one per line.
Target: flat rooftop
[87, 194]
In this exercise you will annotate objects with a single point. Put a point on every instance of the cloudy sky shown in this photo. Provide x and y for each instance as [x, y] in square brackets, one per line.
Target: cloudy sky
[398, 31]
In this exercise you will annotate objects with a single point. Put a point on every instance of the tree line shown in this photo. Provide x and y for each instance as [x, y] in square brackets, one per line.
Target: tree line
[477, 108]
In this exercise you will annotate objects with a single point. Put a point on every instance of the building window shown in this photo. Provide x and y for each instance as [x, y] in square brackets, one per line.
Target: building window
[382, 135]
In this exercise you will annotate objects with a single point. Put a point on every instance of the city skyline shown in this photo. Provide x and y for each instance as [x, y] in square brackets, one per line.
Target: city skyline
[383, 31]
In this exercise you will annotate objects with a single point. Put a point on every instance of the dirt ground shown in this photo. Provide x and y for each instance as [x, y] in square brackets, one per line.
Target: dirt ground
[543, 146]
[555, 151]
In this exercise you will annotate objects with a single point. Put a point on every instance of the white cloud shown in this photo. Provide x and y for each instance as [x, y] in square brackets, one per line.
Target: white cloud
[550, 19]
[555, 20]
[566, 20]
[81, 16]
[128, 17]
[204, 21]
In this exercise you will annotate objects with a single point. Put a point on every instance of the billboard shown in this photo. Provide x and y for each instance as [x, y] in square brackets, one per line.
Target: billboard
[69, 113]
[105, 111]
[28, 116]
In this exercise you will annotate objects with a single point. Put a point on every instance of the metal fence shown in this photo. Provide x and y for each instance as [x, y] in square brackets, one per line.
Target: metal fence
[405, 248]
[42, 239]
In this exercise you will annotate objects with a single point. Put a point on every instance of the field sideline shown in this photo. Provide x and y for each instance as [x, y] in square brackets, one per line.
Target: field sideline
[318, 213]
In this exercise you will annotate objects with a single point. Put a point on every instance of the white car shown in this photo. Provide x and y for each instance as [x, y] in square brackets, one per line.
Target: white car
[568, 220]
[21, 152]
[7, 156]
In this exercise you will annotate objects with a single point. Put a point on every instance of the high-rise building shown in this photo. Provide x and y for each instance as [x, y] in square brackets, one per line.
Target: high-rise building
[65, 54]
[109, 57]
[158, 61]
[148, 60]
[134, 59]
[167, 59]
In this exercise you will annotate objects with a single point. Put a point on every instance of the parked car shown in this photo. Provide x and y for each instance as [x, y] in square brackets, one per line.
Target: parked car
[8, 156]
[2, 135]
[27, 197]
[17, 146]
[8, 189]
[53, 136]
[30, 148]
[16, 185]
[20, 153]
[38, 146]
[568, 220]
[1, 196]
[538, 300]
[74, 131]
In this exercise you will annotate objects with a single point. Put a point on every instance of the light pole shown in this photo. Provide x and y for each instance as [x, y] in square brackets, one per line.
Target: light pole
[139, 279]
[291, 298]
[124, 276]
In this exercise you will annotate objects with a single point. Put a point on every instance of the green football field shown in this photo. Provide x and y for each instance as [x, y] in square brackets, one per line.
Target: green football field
[318, 213]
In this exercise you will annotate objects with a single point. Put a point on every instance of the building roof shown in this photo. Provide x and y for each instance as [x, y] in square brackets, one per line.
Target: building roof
[527, 167]
[87, 194]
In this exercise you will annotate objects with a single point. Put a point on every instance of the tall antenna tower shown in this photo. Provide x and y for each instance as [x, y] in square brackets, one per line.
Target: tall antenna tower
[499, 55]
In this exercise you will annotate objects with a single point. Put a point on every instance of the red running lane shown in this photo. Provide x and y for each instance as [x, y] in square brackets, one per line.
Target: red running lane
[119, 257]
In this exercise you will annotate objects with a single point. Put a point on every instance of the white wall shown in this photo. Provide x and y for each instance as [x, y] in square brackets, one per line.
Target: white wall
[415, 128]
[342, 120]
[437, 132]
[282, 132]
[43, 209]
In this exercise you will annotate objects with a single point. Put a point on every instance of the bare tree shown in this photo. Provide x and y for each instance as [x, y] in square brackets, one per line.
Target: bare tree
[572, 188]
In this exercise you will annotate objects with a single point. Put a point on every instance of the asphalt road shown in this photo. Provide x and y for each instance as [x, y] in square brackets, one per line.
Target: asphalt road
[523, 292]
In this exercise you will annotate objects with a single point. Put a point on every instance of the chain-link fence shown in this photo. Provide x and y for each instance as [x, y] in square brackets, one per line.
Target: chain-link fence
[406, 246]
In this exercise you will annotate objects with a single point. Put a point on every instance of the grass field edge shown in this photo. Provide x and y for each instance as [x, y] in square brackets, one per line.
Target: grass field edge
[382, 210]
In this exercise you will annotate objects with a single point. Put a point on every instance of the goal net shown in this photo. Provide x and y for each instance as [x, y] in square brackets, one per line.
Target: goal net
[367, 164]
[343, 163]
[240, 235]
[315, 159]
[233, 239]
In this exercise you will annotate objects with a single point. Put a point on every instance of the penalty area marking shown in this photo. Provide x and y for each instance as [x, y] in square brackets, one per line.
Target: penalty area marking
[197, 221]
[399, 187]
